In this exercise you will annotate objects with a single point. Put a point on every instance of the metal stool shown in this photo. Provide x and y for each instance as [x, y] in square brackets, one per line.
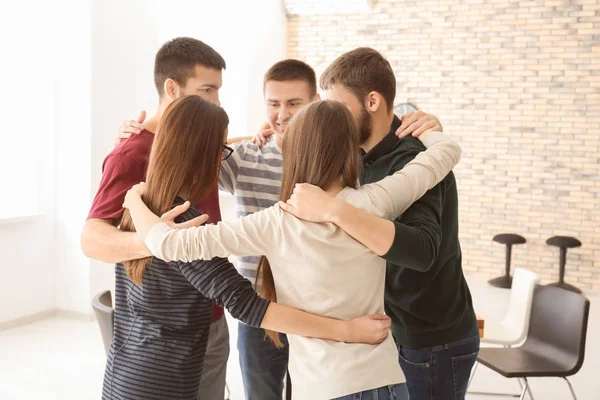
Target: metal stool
[508, 239]
[564, 243]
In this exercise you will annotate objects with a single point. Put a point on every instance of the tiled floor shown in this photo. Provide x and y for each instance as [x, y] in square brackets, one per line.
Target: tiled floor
[64, 359]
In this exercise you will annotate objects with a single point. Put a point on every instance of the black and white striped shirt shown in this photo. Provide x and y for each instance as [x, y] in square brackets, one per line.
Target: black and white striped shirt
[161, 327]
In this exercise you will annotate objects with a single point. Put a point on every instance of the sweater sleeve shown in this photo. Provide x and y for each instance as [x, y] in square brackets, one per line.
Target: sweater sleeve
[391, 196]
[218, 280]
[251, 235]
[418, 232]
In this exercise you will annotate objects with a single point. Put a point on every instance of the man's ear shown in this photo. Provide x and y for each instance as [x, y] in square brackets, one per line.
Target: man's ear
[373, 101]
[317, 97]
[172, 89]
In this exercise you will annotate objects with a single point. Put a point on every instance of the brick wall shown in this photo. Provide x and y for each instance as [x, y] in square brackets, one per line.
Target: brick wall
[518, 84]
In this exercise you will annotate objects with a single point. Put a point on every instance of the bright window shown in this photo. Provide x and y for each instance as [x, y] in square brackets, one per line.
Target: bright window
[27, 105]
[319, 7]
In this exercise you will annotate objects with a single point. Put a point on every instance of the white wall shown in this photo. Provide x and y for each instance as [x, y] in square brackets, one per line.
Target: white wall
[124, 42]
[267, 45]
[73, 130]
[99, 59]
[27, 246]
[230, 27]
[250, 35]
[27, 269]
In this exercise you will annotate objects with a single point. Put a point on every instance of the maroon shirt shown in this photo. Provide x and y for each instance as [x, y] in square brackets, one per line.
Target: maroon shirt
[126, 166]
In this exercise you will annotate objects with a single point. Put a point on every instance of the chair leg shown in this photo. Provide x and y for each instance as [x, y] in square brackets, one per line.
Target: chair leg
[227, 392]
[525, 388]
[472, 374]
[570, 387]
[520, 380]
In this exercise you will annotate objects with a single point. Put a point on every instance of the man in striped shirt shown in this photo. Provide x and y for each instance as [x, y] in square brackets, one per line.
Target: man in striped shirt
[253, 175]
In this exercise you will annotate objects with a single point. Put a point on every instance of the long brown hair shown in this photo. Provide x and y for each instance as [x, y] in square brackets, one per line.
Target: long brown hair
[320, 147]
[184, 161]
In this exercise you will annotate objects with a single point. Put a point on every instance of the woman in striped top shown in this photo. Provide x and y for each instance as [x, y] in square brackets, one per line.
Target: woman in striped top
[163, 309]
[317, 267]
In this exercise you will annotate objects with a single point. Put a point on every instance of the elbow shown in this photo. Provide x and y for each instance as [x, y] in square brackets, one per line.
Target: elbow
[426, 262]
[241, 314]
[86, 242]
[428, 257]
[457, 152]
[92, 241]
[422, 260]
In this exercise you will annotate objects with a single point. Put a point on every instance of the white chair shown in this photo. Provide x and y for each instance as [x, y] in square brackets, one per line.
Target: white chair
[513, 328]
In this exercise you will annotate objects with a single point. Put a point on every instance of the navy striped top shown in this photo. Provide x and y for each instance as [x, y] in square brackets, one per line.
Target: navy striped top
[161, 328]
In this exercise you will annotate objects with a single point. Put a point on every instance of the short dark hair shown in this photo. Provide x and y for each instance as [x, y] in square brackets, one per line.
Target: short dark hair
[362, 71]
[292, 70]
[177, 59]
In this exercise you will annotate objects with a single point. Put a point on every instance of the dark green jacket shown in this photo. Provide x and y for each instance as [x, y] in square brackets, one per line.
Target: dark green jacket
[426, 294]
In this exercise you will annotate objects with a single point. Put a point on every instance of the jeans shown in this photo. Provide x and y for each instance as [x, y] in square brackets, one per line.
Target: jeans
[392, 392]
[212, 383]
[263, 365]
[440, 372]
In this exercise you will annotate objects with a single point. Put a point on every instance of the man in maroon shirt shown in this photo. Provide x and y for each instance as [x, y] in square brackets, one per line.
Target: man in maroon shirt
[183, 66]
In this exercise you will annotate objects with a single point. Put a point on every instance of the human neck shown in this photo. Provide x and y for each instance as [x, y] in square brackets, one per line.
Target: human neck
[380, 127]
[334, 189]
[152, 123]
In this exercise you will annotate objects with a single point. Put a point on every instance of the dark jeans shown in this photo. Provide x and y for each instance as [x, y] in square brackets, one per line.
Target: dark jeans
[392, 392]
[263, 365]
[441, 372]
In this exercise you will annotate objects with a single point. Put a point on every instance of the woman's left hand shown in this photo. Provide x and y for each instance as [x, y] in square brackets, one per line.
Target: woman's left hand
[136, 192]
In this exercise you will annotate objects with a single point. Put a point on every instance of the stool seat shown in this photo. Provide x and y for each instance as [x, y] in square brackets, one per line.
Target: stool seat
[509, 238]
[566, 242]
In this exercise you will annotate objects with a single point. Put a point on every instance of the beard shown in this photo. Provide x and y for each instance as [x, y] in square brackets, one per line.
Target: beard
[364, 125]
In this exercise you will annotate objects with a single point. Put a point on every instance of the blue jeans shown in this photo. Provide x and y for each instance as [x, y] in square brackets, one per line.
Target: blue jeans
[263, 365]
[441, 372]
[392, 392]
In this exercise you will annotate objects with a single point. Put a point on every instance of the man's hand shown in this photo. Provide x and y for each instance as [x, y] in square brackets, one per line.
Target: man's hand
[261, 137]
[418, 123]
[169, 217]
[130, 127]
[311, 203]
[370, 329]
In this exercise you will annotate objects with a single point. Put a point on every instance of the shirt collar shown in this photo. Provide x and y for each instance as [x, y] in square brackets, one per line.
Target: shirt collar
[384, 146]
[272, 141]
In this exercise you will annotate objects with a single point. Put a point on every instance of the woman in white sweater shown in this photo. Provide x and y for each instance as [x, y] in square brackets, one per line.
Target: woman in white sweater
[311, 266]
